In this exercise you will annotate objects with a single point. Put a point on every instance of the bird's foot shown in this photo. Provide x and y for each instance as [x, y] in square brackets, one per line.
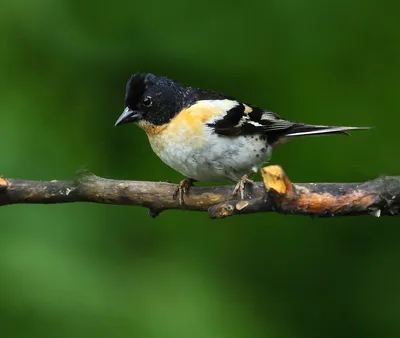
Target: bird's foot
[240, 186]
[183, 190]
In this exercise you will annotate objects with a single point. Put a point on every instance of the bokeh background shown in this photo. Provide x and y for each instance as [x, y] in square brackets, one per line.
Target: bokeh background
[85, 270]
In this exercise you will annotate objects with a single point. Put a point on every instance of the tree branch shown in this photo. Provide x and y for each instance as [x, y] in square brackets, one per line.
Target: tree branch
[377, 197]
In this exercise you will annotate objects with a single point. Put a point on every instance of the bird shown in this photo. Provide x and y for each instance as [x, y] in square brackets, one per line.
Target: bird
[206, 135]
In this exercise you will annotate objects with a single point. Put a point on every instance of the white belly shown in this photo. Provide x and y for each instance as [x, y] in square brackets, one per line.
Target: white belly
[210, 157]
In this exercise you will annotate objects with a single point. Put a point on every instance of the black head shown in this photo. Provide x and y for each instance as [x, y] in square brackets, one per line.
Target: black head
[152, 99]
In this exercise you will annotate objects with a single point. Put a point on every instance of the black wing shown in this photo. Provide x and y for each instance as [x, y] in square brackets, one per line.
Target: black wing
[245, 119]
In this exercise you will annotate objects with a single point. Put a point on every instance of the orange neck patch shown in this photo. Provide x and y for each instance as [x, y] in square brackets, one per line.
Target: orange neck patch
[150, 128]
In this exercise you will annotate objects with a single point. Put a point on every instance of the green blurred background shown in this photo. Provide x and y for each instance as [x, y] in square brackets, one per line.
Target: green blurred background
[86, 270]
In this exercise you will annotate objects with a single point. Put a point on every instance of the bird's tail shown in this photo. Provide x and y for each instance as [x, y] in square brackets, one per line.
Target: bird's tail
[300, 129]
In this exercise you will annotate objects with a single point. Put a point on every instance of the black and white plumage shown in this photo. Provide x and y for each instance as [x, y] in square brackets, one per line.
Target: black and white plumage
[205, 135]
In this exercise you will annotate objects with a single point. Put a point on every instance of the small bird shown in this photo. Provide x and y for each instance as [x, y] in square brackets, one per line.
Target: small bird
[205, 135]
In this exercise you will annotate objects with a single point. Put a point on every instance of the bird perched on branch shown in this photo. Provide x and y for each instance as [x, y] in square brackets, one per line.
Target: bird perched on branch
[205, 135]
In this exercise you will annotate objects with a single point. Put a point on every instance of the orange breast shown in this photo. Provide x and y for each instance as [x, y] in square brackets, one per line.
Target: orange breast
[187, 127]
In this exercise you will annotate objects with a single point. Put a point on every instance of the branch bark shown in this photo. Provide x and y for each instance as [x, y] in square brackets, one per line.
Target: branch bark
[276, 194]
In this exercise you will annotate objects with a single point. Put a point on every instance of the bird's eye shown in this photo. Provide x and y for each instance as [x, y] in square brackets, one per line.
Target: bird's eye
[147, 101]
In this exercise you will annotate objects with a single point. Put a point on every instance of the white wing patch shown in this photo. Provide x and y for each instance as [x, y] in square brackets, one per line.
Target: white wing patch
[218, 107]
[256, 124]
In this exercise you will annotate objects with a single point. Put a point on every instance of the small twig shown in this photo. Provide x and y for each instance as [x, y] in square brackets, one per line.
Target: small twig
[377, 197]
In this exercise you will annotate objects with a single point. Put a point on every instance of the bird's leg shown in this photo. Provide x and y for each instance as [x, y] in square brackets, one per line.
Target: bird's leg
[183, 189]
[240, 186]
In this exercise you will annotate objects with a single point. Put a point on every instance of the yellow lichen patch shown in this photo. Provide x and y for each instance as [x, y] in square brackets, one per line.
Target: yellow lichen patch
[241, 205]
[224, 211]
[210, 198]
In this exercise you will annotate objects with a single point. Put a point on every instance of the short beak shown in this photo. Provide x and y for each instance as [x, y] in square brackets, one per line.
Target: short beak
[128, 116]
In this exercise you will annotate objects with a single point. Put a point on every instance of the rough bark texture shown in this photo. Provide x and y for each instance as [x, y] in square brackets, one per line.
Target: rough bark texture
[377, 197]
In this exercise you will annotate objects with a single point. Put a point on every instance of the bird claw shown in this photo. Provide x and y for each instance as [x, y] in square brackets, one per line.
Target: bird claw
[240, 186]
[182, 190]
